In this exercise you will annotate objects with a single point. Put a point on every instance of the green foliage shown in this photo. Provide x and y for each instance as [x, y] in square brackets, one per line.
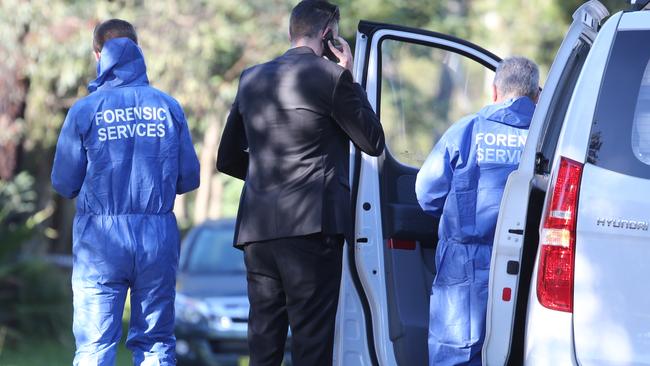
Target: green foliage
[231, 190]
[34, 299]
[17, 205]
[34, 296]
[424, 91]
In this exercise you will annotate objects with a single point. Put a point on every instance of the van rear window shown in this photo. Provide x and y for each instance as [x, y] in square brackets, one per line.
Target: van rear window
[620, 136]
[641, 124]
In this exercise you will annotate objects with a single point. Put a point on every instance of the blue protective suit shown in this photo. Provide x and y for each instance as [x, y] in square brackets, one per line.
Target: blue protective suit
[125, 152]
[462, 181]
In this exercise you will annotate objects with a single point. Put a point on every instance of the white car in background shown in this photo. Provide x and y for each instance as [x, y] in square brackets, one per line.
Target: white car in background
[569, 280]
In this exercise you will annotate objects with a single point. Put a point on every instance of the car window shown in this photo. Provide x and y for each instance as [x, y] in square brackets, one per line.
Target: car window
[641, 121]
[211, 251]
[620, 136]
[423, 91]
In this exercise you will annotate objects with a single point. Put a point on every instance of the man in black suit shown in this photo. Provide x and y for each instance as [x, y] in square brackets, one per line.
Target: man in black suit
[288, 137]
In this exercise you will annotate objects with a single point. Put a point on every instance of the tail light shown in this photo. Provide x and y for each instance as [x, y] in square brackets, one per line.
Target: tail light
[558, 238]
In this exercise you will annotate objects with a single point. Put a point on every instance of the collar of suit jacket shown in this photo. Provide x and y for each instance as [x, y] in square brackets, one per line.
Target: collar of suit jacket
[300, 51]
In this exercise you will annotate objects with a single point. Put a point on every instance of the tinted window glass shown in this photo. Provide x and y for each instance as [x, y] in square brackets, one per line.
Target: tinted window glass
[641, 123]
[620, 137]
[423, 91]
[212, 252]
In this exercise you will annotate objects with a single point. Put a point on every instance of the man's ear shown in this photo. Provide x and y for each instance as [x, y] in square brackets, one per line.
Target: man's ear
[324, 32]
[98, 55]
[536, 99]
[495, 93]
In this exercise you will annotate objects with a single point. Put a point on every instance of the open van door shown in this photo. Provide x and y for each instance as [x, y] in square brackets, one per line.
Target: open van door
[517, 232]
[419, 83]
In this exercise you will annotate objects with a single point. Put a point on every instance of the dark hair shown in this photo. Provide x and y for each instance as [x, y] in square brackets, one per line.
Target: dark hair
[113, 28]
[310, 17]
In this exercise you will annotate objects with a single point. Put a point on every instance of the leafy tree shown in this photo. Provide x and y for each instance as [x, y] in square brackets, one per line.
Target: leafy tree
[196, 50]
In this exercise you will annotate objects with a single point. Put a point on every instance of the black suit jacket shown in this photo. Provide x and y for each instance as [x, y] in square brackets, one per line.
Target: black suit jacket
[288, 136]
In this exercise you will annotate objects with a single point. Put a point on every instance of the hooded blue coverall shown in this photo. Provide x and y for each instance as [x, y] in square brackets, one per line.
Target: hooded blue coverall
[463, 180]
[125, 150]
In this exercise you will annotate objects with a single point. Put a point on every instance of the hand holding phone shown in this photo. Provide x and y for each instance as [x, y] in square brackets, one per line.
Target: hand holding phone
[337, 50]
[327, 52]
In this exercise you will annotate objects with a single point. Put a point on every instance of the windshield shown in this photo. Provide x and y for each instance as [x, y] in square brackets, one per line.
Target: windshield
[211, 251]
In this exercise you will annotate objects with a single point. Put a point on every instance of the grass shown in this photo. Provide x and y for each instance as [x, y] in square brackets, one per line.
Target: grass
[38, 350]
[35, 351]
[32, 350]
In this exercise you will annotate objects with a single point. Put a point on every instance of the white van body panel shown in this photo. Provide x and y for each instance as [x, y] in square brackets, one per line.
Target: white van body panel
[350, 340]
[611, 318]
[549, 333]
[611, 299]
[350, 337]
[508, 243]
[370, 257]
[634, 21]
[507, 247]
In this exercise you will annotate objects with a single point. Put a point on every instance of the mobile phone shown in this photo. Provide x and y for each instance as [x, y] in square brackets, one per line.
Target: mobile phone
[327, 52]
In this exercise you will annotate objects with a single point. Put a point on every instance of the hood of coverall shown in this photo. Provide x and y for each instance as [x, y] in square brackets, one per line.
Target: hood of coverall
[121, 64]
[516, 112]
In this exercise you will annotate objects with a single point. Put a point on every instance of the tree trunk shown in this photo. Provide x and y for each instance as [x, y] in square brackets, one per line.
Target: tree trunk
[180, 208]
[203, 203]
[216, 197]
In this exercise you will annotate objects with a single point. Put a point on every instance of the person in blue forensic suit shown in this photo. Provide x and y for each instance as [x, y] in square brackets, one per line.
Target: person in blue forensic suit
[462, 181]
[125, 152]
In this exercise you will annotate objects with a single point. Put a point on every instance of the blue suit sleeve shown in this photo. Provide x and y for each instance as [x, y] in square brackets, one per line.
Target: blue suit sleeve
[434, 178]
[188, 163]
[70, 160]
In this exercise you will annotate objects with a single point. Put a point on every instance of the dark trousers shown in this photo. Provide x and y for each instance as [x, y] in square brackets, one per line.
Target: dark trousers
[293, 282]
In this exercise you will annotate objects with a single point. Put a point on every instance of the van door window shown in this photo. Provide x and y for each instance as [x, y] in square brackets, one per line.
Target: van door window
[423, 91]
[620, 135]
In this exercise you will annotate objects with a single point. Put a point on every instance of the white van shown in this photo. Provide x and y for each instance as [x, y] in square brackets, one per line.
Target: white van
[569, 280]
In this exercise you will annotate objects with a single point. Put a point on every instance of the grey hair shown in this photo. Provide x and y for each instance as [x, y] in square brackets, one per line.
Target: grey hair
[517, 77]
